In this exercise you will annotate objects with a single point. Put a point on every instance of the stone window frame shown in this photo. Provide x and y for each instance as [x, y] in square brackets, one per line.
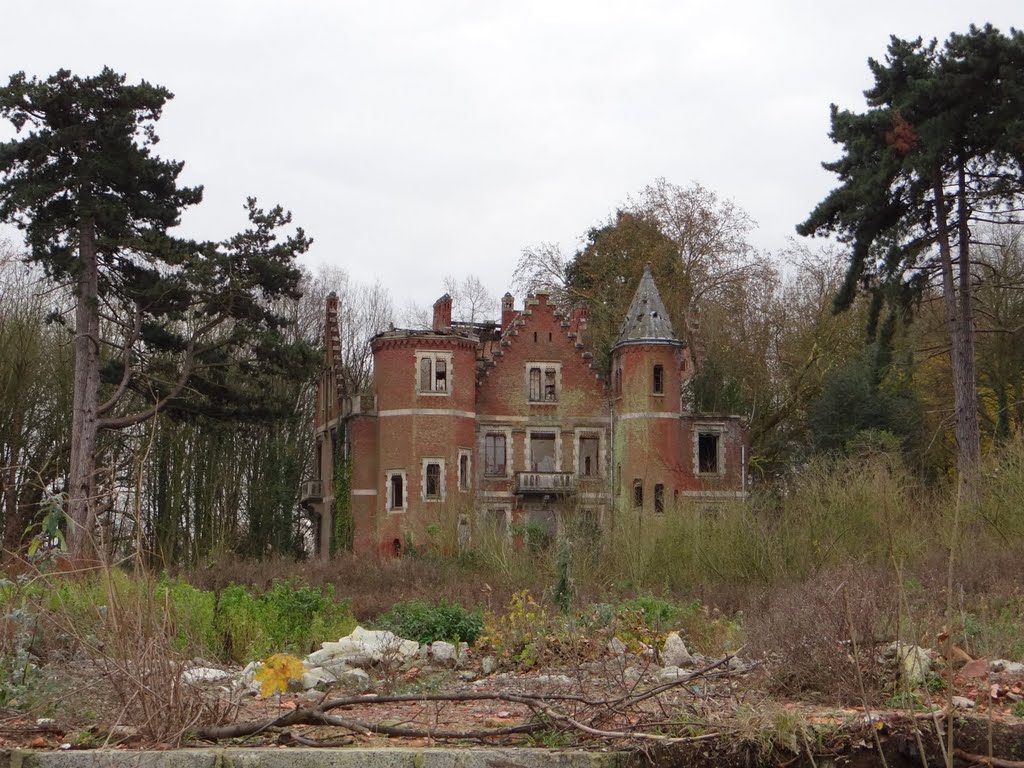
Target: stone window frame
[507, 434]
[543, 366]
[465, 480]
[581, 432]
[433, 355]
[553, 430]
[433, 498]
[388, 501]
[709, 428]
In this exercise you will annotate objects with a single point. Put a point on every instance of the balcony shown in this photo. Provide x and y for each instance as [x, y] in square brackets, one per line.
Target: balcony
[312, 492]
[549, 483]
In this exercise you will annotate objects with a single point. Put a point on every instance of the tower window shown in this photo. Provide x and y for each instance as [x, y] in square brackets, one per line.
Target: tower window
[396, 491]
[659, 380]
[618, 381]
[638, 494]
[463, 470]
[432, 481]
[433, 373]
[659, 499]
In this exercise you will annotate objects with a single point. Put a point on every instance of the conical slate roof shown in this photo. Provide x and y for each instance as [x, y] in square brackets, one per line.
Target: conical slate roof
[646, 319]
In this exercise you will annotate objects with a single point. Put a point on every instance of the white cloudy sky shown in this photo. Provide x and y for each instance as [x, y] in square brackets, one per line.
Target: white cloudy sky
[418, 138]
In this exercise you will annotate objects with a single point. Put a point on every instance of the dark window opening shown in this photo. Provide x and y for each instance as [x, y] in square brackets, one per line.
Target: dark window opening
[659, 498]
[534, 337]
[396, 545]
[638, 494]
[441, 376]
[549, 385]
[618, 381]
[549, 336]
[707, 452]
[588, 456]
[464, 472]
[659, 380]
[494, 455]
[397, 492]
[433, 481]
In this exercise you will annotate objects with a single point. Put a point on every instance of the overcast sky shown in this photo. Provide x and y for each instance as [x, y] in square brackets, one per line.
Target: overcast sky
[417, 139]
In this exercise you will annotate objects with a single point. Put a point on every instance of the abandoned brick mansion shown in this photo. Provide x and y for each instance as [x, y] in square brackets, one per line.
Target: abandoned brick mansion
[509, 422]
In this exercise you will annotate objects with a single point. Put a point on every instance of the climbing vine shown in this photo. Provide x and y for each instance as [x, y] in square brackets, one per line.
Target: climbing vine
[344, 529]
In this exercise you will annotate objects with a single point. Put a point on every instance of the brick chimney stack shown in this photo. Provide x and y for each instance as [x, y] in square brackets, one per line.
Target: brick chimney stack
[508, 311]
[443, 313]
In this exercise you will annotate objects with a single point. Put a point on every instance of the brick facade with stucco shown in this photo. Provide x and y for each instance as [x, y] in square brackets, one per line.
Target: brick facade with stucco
[498, 428]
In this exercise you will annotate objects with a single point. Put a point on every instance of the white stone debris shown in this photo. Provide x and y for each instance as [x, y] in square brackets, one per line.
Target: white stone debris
[674, 653]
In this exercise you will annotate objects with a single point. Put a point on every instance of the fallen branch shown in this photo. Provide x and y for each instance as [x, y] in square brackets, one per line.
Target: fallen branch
[994, 762]
[539, 704]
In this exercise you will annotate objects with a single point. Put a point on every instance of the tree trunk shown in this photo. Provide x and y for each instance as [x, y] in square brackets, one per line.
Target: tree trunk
[956, 294]
[968, 434]
[84, 419]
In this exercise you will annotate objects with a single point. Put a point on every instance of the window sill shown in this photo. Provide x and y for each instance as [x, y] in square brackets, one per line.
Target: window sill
[433, 499]
[397, 511]
[421, 393]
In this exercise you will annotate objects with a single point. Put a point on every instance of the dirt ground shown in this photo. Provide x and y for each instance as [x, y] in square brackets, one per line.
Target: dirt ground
[719, 717]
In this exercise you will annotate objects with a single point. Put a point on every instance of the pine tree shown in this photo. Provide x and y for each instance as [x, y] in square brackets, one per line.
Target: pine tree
[169, 324]
[939, 150]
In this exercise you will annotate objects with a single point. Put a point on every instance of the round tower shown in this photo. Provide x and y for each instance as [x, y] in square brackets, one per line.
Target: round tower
[425, 383]
[647, 379]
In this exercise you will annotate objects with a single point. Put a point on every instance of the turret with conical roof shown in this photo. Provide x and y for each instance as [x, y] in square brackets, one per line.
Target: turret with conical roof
[647, 319]
[647, 379]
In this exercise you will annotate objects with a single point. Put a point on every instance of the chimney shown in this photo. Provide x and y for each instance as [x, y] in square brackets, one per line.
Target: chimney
[508, 311]
[443, 313]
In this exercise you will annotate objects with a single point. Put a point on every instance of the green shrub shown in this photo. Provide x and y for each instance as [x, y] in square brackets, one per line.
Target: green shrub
[426, 622]
[193, 614]
[287, 618]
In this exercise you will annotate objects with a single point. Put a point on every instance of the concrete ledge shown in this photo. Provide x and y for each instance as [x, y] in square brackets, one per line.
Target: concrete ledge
[345, 757]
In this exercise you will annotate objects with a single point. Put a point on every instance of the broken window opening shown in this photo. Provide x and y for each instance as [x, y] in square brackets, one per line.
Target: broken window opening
[433, 373]
[638, 494]
[659, 499]
[707, 452]
[397, 492]
[549, 385]
[659, 380]
[440, 376]
[464, 472]
[542, 452]
[494, 455]
[589, 446]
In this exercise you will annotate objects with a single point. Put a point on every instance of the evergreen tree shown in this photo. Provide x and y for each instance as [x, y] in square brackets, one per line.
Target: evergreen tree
[938, 150]
[172, 325]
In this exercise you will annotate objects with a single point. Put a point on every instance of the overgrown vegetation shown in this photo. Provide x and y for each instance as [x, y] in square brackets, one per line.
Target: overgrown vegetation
[426, 622]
